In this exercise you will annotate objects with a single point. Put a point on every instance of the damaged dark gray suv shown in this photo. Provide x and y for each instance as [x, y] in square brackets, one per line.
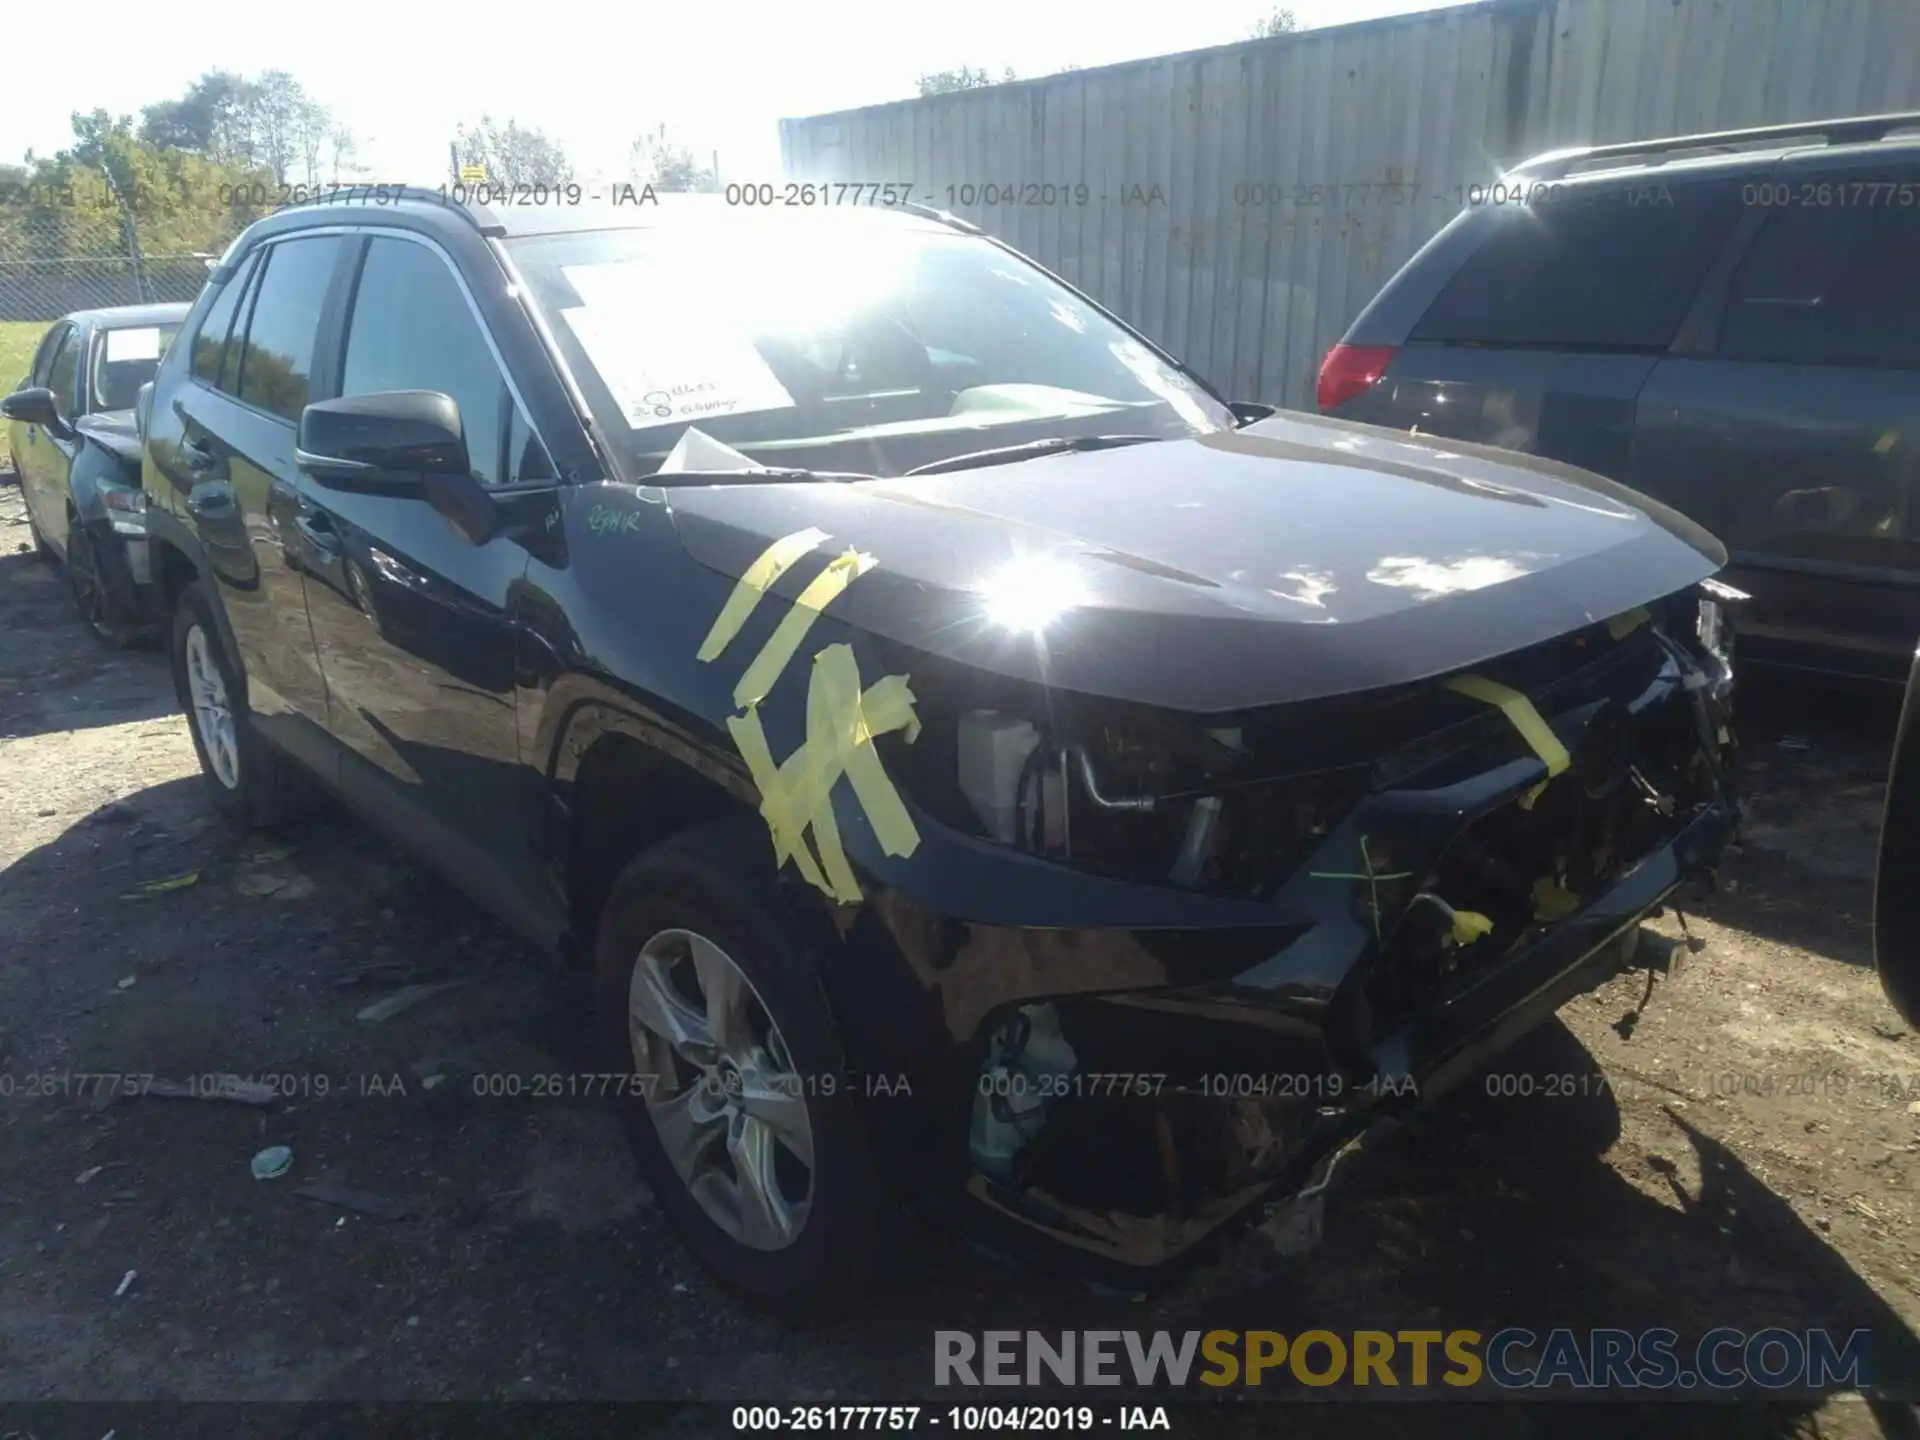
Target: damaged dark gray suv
[988, 773]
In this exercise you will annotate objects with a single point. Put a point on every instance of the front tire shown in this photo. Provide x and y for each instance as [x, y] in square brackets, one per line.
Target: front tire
[742, 1118]
[250, 782]
[93, 589]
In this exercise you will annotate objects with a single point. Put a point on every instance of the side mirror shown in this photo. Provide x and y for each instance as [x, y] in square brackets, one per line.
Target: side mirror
[406, 443]
[373, 441]
[37, 406]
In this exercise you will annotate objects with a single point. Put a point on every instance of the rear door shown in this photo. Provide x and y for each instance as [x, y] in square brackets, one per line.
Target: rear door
[1539, 336]
[235, 441]
[411, 618]
[1791, 429]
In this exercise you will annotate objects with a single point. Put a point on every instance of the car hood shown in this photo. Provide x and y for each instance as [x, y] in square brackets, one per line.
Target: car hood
[1293, 559]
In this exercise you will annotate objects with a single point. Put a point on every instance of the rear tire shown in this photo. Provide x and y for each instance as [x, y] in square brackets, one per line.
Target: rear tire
[249, 781]
[698, 917]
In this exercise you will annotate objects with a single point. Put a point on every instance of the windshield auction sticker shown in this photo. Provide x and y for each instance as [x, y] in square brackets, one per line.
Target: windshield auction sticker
[140, 343]
[660, 362]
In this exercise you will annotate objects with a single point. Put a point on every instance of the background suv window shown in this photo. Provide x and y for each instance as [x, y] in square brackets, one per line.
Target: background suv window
[276, 360]
[211, 343]
[1612, 268]
[412, 329]
[1829, 285]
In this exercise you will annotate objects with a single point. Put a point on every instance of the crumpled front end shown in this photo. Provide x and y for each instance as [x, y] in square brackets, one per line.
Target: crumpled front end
[1159, 971]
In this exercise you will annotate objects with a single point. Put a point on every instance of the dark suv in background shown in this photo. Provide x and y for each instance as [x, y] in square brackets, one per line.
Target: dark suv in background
[1729, 323]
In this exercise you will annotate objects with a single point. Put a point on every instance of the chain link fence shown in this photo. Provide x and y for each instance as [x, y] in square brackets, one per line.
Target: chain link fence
[56, 258]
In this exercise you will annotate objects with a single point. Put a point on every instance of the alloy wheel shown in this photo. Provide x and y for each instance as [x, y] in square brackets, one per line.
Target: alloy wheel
[727, 1104]
[212, 714]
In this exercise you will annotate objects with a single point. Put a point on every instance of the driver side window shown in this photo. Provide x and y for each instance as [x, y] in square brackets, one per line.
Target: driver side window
[43, 359]
[412, 329]
[64, 380]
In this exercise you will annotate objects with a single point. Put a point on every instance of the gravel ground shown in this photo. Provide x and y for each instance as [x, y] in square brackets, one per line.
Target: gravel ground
[1750, 1160]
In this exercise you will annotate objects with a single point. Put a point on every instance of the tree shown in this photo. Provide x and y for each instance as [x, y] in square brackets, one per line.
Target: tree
[655, 159]
[945, 82]
[210, 119]
[271, 122]
[343, 153]
[1281, 22]
[512, 154]
[280, 113]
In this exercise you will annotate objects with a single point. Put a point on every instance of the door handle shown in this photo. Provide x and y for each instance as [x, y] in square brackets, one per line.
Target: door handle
[317, 530]
[212, 502]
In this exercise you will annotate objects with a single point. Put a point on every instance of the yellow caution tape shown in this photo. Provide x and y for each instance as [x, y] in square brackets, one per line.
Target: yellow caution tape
[1524, 718]
[774, 562]
[767, 666]
[842, 722]
[1628, 621]
[1552, 900]
[1469, 926]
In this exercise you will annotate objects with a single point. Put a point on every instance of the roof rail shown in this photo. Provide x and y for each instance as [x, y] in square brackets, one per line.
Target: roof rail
[378, 196]
[944, 217]
[1556, 164]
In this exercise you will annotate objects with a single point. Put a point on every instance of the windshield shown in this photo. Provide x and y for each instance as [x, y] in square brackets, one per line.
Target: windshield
[850, 342]
[124, 360]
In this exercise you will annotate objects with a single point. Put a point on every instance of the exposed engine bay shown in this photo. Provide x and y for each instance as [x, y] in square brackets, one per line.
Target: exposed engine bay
[1442, 865]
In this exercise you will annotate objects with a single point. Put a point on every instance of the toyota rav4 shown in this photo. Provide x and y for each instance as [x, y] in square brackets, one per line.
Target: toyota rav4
[989, 774]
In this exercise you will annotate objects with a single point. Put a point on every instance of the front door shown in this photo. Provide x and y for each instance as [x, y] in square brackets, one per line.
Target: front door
[411, 618]
[45, 459]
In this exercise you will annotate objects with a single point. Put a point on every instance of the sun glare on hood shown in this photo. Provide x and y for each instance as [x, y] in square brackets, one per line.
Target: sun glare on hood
[1429, 579]
[1031, 593]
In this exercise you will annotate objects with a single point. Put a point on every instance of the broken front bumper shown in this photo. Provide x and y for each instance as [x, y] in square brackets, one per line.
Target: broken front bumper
[1199, 1054]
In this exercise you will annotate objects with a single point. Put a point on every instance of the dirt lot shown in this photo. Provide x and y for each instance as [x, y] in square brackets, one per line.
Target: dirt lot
[1710, 1184]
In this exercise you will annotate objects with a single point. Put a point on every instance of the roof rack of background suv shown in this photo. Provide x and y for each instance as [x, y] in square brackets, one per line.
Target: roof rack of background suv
[376, 196]
[1556, 164]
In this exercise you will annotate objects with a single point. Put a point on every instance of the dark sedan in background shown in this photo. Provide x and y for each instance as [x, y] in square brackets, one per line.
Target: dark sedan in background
[77, 455]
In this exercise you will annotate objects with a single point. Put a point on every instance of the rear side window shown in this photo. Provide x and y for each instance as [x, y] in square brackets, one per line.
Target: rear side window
[211, 342]
[1829, 285]
[1597, 269]
[276, 359]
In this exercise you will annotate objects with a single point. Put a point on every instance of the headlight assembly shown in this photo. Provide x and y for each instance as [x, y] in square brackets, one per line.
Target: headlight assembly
[1142, 796]
[1713, 625]
[126, 509]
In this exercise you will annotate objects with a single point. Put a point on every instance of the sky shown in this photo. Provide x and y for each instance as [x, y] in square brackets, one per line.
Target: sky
[721, 76]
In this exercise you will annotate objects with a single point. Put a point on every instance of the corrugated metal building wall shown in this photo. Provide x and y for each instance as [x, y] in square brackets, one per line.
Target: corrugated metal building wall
[1235, 261]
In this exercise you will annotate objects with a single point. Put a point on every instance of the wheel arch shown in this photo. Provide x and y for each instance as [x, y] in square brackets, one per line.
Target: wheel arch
[174, 553]
[624, 778]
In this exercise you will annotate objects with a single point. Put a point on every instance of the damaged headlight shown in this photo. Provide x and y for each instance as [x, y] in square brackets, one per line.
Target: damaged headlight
[1131, 794]
[126, 509]
[1713, 624]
